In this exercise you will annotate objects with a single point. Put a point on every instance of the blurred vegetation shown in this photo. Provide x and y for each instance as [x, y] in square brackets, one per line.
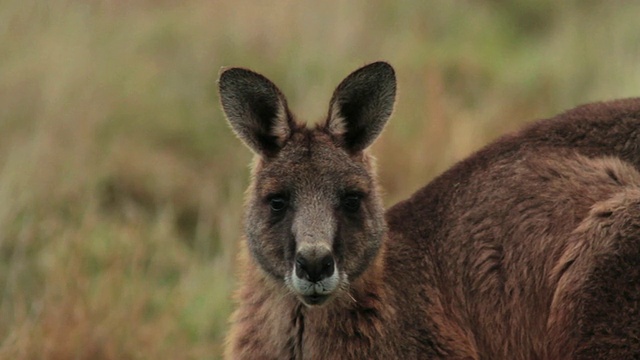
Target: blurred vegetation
[121, 185]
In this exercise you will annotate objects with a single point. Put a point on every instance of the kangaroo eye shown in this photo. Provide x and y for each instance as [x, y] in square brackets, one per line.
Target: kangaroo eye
[351, 202]
[277, 204]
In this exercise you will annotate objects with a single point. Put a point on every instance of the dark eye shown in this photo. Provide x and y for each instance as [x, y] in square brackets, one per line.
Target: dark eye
[351, 202]
[277, 204]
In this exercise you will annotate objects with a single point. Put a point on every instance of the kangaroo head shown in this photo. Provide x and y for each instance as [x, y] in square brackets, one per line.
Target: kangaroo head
[314, 218]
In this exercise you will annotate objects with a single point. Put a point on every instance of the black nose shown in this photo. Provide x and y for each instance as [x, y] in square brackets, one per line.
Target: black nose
[314, 268]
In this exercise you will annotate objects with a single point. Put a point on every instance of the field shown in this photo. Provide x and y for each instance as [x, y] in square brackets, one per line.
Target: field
[121, 185]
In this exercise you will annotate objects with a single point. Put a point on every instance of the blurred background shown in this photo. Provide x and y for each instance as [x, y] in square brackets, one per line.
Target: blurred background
[121, 185]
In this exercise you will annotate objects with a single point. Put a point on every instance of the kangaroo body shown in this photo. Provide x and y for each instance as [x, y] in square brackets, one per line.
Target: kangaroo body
[528, 249]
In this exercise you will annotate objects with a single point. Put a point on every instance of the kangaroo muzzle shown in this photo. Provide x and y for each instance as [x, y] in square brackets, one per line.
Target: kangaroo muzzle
[314, 263]
[314, 275]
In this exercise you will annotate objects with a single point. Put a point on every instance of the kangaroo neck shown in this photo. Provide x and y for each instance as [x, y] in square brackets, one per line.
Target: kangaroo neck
[297, 340]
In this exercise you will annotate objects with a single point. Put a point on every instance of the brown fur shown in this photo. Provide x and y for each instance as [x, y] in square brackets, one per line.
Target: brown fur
[528, 249]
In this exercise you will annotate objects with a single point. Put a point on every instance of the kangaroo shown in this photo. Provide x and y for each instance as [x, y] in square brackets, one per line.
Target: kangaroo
[527, 249]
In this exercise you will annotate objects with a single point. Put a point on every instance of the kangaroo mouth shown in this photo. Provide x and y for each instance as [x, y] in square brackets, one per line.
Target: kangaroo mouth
[313, 293]
[315, 299]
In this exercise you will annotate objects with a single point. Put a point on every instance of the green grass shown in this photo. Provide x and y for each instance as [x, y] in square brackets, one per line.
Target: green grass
[121, 185]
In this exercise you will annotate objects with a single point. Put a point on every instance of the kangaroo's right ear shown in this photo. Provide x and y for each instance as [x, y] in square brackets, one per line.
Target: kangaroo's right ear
[256, 110]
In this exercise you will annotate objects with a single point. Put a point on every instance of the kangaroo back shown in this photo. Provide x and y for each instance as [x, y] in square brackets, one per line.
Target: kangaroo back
[509, 224]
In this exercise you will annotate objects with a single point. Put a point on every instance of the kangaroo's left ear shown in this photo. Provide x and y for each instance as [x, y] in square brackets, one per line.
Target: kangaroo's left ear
[362, 104]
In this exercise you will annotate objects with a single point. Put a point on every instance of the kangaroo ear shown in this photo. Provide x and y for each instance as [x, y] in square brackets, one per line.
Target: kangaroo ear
[256, 110]
[362, 104]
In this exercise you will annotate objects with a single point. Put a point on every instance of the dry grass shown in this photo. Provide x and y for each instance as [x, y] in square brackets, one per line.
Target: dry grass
[121, 186]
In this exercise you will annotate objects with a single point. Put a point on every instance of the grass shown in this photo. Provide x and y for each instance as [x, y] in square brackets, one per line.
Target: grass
[121, 185]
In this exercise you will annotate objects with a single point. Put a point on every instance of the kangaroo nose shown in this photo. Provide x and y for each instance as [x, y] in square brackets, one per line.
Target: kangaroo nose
[314, 268]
